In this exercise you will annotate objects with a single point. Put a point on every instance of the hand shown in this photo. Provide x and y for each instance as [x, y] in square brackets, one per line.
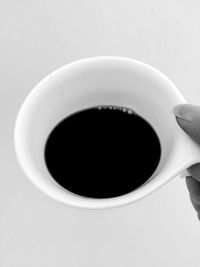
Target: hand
[188, 118]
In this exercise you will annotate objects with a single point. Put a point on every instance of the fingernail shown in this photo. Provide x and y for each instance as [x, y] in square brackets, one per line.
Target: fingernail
[187, 112]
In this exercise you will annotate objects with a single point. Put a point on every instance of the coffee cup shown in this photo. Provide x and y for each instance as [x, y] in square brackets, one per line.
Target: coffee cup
[96, 81]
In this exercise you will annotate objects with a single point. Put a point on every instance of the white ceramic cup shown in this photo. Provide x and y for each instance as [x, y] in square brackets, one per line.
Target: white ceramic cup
[102, 81]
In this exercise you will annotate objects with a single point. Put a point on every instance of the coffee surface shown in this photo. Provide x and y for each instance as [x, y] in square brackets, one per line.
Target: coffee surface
[102, 152]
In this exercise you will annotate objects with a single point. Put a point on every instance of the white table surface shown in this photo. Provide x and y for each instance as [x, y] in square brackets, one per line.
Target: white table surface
[36, 37]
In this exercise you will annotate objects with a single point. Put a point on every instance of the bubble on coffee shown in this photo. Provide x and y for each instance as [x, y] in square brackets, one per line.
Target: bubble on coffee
[127, 110]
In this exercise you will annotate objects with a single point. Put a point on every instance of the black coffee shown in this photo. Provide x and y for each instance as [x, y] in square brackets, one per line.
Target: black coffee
[102, 152]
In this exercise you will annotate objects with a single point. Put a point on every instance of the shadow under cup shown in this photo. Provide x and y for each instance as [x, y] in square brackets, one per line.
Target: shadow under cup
[79, 86]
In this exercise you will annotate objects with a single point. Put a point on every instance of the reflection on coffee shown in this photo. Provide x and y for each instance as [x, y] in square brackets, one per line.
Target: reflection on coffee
[102, 152]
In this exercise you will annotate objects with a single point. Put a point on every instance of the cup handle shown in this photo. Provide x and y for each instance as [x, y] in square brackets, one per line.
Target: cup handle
[184, 173]
[189, 153]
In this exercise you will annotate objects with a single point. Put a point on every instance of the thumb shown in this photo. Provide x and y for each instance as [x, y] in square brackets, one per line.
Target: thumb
[188, 118]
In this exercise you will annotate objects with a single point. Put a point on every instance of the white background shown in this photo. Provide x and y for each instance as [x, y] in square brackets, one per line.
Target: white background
[36, 37]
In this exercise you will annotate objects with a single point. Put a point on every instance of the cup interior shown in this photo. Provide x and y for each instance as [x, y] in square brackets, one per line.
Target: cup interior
[83, 84]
